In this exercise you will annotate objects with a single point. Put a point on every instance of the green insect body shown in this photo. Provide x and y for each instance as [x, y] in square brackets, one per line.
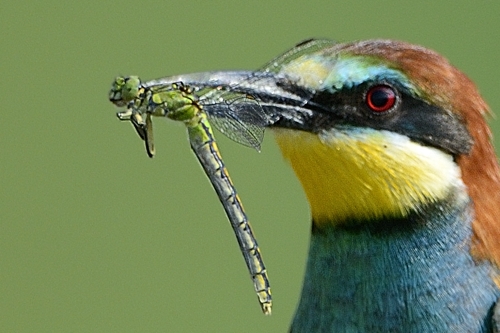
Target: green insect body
[180, 102]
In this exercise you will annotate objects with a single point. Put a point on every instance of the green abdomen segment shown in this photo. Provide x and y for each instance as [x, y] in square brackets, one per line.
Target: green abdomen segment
[203, 145]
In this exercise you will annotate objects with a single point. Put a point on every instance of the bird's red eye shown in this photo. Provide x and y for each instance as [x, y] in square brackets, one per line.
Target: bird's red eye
[381, 98]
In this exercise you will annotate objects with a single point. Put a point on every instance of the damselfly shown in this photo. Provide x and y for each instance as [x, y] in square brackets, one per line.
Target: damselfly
[237, 115]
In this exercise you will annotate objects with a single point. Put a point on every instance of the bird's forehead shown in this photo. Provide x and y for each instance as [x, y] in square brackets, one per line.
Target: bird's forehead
[335, 72]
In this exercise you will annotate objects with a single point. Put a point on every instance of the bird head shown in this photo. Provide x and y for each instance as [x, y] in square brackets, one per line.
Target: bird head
[389, 129]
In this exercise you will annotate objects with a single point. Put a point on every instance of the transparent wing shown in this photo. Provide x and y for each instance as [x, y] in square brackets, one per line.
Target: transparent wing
[238, 116]
[305, 47]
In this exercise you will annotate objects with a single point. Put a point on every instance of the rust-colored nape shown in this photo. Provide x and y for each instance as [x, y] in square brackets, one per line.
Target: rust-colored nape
[481, 174]
[447, 87]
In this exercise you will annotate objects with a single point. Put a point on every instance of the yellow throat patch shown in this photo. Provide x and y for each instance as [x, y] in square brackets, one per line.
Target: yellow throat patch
[360, 173]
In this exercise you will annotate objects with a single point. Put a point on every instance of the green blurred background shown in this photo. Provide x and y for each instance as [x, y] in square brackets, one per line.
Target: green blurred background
[95, 236]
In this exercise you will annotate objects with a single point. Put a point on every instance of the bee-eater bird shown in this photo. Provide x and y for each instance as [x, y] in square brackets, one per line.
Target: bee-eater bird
[394, 154]
[390, 144]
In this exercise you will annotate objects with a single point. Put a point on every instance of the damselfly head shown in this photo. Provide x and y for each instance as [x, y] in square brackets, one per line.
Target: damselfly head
[124, 89]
